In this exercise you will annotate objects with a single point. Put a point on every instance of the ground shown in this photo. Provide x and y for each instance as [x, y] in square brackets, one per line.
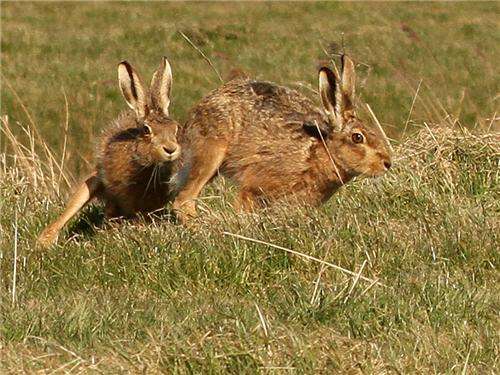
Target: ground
[411, 258]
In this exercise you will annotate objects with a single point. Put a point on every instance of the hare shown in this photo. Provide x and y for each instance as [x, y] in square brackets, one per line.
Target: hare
[275, 143]
[135, 157]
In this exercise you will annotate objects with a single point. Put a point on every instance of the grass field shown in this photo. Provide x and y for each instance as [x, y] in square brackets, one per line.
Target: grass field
[418, 248]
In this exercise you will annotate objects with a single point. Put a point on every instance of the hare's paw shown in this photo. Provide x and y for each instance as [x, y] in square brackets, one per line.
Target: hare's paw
[185, 212]
[48, 237]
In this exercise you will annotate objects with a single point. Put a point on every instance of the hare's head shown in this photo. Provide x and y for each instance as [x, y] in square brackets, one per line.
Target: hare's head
[357, 148]
[157, 131]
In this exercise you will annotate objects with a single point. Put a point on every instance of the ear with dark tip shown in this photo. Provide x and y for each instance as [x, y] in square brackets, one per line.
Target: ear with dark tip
[161, 86]
[348, 86]
[313, 129]
[132, 89]
[327, 92]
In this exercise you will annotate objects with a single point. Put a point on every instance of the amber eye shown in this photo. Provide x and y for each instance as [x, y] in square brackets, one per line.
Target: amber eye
[357, 137]
[147, 129]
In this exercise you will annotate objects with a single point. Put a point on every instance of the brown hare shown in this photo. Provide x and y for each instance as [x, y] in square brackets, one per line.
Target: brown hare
[275, 143]
[135, 157]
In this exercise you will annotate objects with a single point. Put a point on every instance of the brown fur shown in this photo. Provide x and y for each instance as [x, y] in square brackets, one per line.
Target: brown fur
[271, 141]
[133, 173]
[135, 156]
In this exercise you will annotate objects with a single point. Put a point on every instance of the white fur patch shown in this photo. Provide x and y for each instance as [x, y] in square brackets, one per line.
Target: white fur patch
[179, 179]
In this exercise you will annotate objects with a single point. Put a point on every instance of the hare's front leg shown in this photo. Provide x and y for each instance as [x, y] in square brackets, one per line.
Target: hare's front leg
[83, 194]
[206, 158]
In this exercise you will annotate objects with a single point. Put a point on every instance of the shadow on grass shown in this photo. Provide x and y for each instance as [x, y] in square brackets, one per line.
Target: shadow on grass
[87, 224]
[93, 219]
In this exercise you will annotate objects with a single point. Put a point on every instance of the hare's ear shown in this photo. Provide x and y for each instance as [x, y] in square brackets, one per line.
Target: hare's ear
[161, 86]
[132, 89]
[327, 92]
[348, 86]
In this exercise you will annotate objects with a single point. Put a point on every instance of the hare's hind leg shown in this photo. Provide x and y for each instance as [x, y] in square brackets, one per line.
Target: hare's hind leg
[204, 164]
[255, 186]
[247, 201]
[83, 194]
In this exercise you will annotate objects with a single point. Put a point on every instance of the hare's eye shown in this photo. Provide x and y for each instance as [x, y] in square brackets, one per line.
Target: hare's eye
[357, 137]
[147, 129]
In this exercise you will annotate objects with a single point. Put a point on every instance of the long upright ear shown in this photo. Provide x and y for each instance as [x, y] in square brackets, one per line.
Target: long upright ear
[348, 86]
[132, 89]
[161, 86]
[327, 92]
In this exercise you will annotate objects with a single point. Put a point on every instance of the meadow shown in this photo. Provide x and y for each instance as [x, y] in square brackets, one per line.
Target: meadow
[405, 266]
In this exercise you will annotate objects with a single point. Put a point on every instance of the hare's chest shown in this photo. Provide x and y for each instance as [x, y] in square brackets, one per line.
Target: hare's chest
[322, 177]
[138, 189]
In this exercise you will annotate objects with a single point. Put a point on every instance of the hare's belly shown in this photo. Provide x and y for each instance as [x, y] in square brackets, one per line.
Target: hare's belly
[280, 166]
[273, 183]
[273, 168]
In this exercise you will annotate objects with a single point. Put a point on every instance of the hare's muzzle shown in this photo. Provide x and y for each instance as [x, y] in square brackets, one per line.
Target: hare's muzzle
[170, 152]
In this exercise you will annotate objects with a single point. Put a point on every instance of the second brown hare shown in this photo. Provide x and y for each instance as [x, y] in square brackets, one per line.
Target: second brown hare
[135, 157]
[275, 143]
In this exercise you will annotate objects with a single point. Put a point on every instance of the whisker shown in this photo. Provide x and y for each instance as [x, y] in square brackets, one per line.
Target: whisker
[150, 180]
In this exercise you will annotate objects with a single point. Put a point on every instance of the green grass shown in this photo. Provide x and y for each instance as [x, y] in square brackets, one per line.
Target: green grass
[156, 297]
[159, 297]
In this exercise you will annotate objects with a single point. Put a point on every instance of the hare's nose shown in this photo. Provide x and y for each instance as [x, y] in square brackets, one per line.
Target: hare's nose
[387, 164]
[170, 149]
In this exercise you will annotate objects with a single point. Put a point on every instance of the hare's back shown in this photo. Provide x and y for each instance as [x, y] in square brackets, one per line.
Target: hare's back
[276, 101]
[244, 105]
[262, 101]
